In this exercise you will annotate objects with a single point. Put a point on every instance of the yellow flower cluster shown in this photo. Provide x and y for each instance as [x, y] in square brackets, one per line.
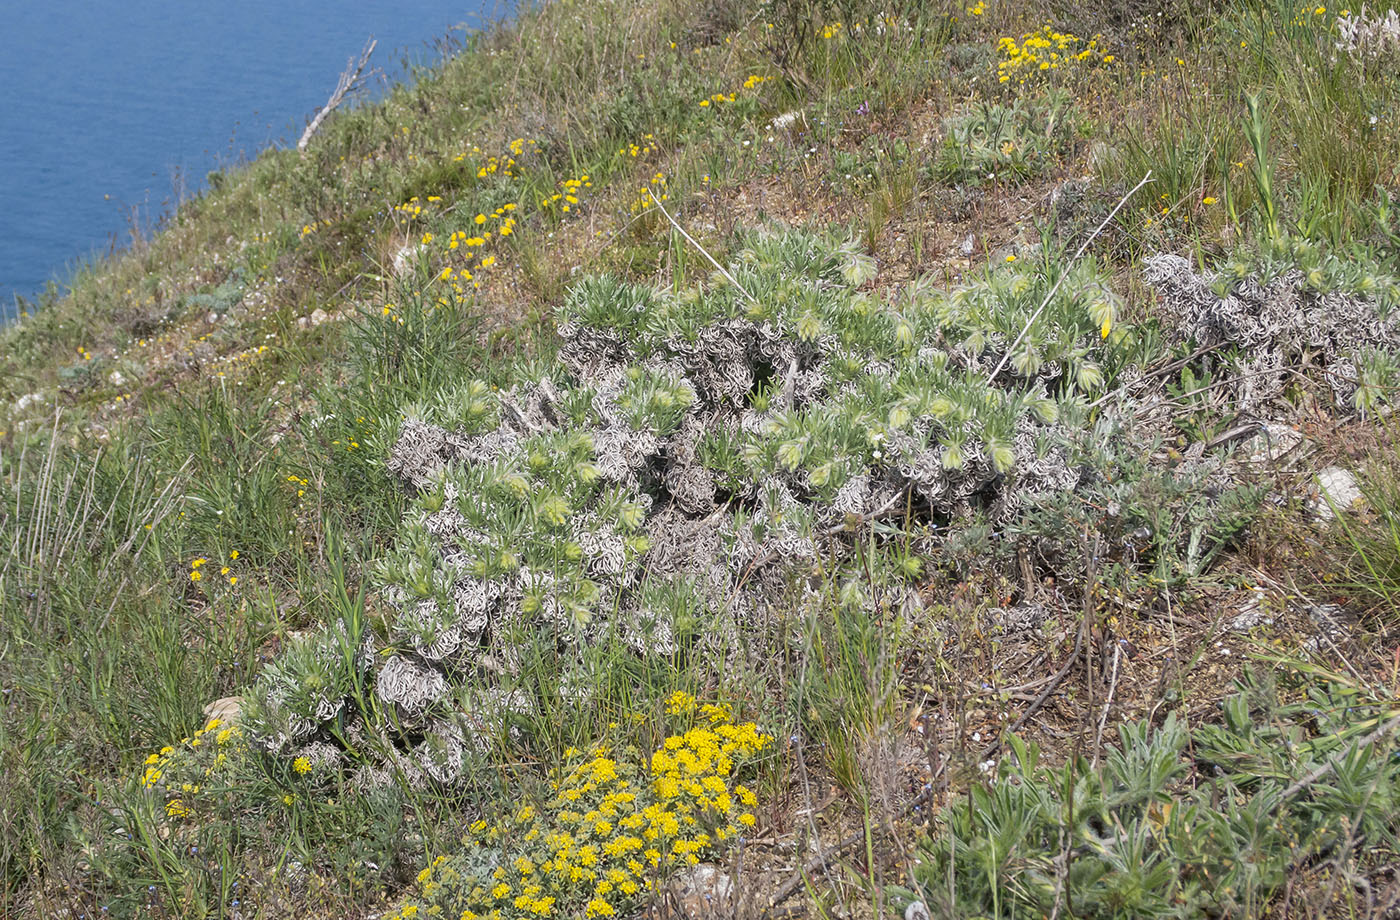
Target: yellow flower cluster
[613, 829]
[567, 196]
[1301, 18]
[181, 771]
[237, 361]
[308, 229]
[410, 209]
[832, 30]
[199, 562]
[647, 145]
[656, 186]
[469, 248]
[721, 98]
[1045, 51]
[504, 165]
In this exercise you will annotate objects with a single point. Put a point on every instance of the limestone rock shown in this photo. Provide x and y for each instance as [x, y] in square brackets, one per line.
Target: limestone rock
[1337, 491]
[700, 891]
[226, 709]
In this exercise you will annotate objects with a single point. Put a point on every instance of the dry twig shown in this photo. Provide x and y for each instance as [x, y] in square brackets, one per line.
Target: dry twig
[1060, 280]
[691, 240]
[350, 81]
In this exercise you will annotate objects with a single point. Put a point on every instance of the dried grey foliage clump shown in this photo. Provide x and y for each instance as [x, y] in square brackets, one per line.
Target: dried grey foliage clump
[1369, 35]
[1277, 329]
[690, 456]
[689, 452]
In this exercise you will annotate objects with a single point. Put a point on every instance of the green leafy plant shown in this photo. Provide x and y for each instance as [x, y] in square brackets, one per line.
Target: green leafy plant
[1007, 142]
[1141, 834]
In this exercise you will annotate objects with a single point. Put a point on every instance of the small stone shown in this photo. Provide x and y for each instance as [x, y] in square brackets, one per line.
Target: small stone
[117, 379]
[1251, 613]
[917, 911]
[27, 400]
[406, 257]
[1272, 442]
[1337, 491]
[319, 316]
[701, 891]
[225, 710]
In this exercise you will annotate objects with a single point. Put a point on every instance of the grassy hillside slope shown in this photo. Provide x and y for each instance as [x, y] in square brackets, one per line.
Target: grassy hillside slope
[799, 458]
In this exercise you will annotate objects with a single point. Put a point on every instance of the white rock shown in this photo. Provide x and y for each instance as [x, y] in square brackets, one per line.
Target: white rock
[702, 891]
[1272, 442]
[405, 257]
[226, 709]
[317, 317]
[117, 379]
[916, 911]
[212, 318]
[27, 400]
[1252, 613]
[1337, 490]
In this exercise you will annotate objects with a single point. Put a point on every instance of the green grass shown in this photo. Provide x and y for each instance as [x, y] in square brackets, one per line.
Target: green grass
[1144, 833]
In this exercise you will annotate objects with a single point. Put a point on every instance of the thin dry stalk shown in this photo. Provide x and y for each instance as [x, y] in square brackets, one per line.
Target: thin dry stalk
[690, 239]
[1060, 280]
[350, 80]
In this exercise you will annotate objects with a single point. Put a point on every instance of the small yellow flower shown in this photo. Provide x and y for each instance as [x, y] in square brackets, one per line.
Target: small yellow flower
[301, 765]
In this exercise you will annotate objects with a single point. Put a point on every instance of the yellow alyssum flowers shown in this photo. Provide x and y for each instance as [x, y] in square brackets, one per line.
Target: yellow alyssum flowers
[721, 98]
[180, 771]
[616, 824]
[1037, 54]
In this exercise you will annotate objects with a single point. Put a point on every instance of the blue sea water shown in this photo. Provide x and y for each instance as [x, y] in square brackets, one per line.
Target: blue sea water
[111, 112]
